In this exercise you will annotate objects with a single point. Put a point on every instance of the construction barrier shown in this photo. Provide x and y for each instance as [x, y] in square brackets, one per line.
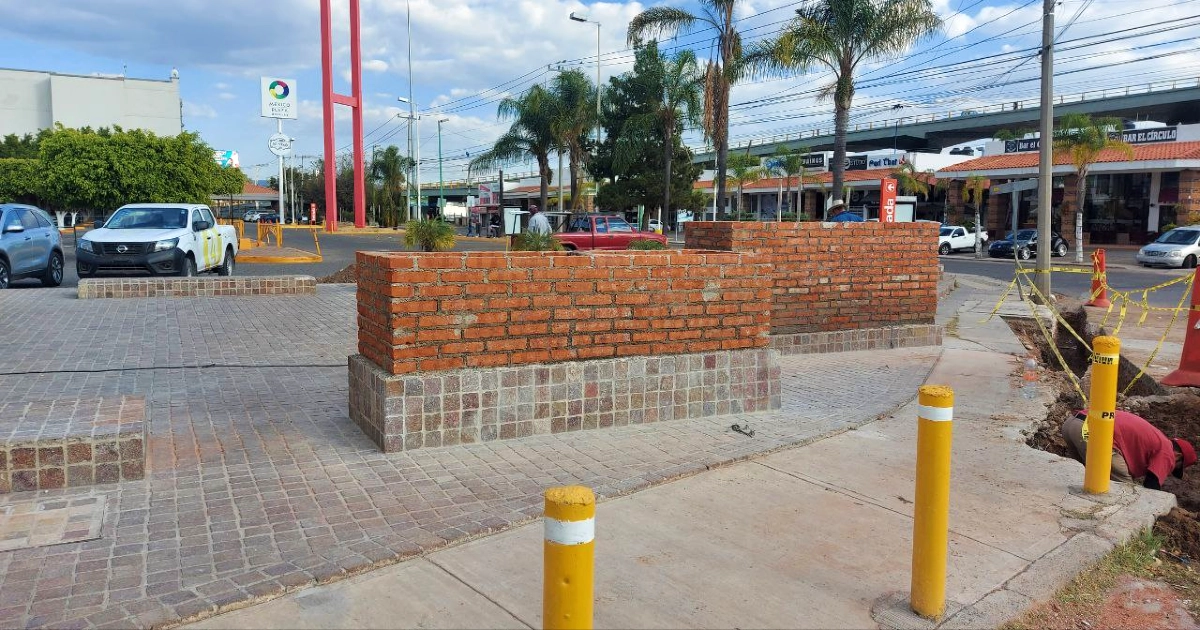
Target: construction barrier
[569, 558]
[931, 506]
[1099, 281]
[1102, 414]
[1188, 373]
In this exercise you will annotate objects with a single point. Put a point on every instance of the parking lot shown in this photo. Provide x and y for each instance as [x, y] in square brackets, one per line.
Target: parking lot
[337, 249]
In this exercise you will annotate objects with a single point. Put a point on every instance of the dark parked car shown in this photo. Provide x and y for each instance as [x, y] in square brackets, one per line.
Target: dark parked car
[1027, 244]
[30, 246]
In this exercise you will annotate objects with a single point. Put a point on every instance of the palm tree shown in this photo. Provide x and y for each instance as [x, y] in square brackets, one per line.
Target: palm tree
[840, 35]
[387, 172]
[1083, 139]
[975, 187]
[744, 169]
[530, 136]
[789, 163]
[675, 90]
[723, 70]
[909, 180]
[574, 104]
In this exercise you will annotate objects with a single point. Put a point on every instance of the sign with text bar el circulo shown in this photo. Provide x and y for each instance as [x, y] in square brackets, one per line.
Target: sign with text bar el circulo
[887, 200]
[278, 98]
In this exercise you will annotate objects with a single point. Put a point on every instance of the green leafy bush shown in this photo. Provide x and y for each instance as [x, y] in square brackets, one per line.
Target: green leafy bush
[536, 242]
[646, 244]
[431, 235]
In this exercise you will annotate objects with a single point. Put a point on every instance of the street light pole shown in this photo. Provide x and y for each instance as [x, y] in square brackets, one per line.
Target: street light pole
[1045, 154]
[441, 178]
[582, 18]
[412, 115]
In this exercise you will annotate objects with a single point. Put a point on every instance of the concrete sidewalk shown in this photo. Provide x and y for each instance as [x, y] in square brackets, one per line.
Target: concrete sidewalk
[815, 536]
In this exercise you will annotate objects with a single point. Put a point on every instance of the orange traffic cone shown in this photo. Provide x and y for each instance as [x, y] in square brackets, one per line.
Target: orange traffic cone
[1188, 374]
[1099, 281]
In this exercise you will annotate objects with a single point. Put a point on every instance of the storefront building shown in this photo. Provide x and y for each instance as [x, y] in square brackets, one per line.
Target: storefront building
[1128, 201]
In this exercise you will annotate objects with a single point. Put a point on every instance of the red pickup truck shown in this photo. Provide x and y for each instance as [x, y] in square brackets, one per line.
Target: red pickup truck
[601, 231]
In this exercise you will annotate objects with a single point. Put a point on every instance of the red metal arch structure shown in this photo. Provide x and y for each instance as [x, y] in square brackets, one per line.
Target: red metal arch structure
[355, 103]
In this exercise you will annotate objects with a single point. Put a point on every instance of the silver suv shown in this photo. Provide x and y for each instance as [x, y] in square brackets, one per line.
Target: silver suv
[30, 246]
[1177, 248]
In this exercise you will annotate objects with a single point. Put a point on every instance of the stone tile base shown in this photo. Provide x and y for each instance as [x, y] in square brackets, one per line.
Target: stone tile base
[851, 340]
[214, 286]
[481, 405]
[72, 442]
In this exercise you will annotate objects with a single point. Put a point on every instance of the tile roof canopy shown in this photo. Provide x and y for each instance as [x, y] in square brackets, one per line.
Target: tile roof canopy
[255, 189]
[1141, 153]
[772, 183]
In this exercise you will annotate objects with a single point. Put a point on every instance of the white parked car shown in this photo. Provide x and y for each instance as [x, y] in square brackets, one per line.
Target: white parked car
[159, 238]
[1177, 248]
[654, 225]
[956, 237]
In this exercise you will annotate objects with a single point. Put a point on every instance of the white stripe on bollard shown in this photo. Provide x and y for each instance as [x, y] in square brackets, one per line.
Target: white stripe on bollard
[936, 414]
[570, 532]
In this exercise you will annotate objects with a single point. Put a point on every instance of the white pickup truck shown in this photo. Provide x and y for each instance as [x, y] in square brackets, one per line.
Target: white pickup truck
[158, 238]
[955, 237]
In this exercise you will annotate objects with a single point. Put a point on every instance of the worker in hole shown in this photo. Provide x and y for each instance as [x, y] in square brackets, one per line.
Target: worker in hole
[1141, 453]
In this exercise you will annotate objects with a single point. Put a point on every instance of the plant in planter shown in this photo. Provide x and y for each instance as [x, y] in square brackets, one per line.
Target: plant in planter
[536, 242]
[645, 244]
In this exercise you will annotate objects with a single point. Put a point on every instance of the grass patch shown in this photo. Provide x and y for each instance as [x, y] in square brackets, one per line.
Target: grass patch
[1137, 557]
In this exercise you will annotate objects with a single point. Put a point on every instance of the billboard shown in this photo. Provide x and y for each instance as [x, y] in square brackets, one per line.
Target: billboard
[227, 159]
[887, 200]
[278, 98]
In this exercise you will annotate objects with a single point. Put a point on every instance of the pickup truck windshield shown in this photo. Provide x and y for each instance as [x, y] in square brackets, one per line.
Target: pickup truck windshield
[618, 225]
[946, 231]
[148, 219]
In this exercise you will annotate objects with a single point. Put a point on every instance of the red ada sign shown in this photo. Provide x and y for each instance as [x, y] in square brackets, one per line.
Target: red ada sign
[887, 201]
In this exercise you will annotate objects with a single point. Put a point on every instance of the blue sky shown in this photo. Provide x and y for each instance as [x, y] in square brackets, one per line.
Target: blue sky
[461, 48]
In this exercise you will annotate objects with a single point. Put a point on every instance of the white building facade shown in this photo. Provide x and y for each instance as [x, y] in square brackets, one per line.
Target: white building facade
[32, 100]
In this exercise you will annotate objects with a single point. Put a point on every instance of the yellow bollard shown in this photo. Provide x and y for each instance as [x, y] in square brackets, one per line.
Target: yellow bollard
[931, 509]
[1102, 414]
[569, 556]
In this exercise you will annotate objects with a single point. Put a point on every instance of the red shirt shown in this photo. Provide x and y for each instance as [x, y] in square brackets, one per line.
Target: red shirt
[1144, 447]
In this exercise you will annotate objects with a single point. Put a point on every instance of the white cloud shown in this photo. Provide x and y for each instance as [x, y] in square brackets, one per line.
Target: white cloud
[227, 96]
[198, 110]
[375, 65]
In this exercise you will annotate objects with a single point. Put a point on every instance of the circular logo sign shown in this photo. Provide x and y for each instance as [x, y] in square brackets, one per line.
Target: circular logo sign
[279, 90]
[279, 144]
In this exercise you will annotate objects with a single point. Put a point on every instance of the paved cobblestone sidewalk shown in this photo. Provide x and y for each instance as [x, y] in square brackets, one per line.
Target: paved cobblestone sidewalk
[258, 482]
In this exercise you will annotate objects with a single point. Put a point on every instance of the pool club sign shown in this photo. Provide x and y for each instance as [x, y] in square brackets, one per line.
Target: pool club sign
[278, 98]
[1129, 136]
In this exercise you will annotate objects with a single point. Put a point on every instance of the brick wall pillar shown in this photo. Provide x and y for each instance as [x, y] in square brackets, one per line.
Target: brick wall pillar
[812, 205]
[1067, 210]
[955, 205]
[996, 220]
[1188, 209]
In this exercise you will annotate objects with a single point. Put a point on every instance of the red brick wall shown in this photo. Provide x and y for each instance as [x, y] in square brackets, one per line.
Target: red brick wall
[424, 312]
[837, 276]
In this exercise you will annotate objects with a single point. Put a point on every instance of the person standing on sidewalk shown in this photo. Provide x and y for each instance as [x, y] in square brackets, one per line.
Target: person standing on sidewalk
[538, 223]
[1141, 453]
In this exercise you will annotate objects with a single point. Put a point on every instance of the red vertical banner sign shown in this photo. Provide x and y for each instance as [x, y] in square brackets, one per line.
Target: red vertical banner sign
[312, 214]
[887, 200]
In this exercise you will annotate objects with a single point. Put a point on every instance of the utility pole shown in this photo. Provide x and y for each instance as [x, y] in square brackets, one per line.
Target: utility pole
[441, 177]
[1045, 153]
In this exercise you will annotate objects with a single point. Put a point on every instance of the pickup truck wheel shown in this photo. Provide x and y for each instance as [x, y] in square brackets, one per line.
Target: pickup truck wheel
[226, 268]
[568, 247]
[189, 267]
[54, 271]
[944, 249]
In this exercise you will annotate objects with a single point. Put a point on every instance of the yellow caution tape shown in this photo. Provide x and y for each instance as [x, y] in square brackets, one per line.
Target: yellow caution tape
[1161, 340]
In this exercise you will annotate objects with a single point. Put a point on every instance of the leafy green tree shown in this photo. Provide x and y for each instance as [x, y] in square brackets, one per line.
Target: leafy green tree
[24, 147]
[725, 68]
[530, 136]
[19, 180]
[388, 184]
[672, 89]
[101, 170]
[642, 180]
[574, 104]
[1083, 138]
[840, 35]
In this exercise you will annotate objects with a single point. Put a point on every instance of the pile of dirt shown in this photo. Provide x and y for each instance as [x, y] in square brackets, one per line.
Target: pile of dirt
[1181, 529]
[346, 276]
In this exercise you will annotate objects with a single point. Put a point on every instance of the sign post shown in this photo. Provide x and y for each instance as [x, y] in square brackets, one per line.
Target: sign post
[887, 200]
[279, 102]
